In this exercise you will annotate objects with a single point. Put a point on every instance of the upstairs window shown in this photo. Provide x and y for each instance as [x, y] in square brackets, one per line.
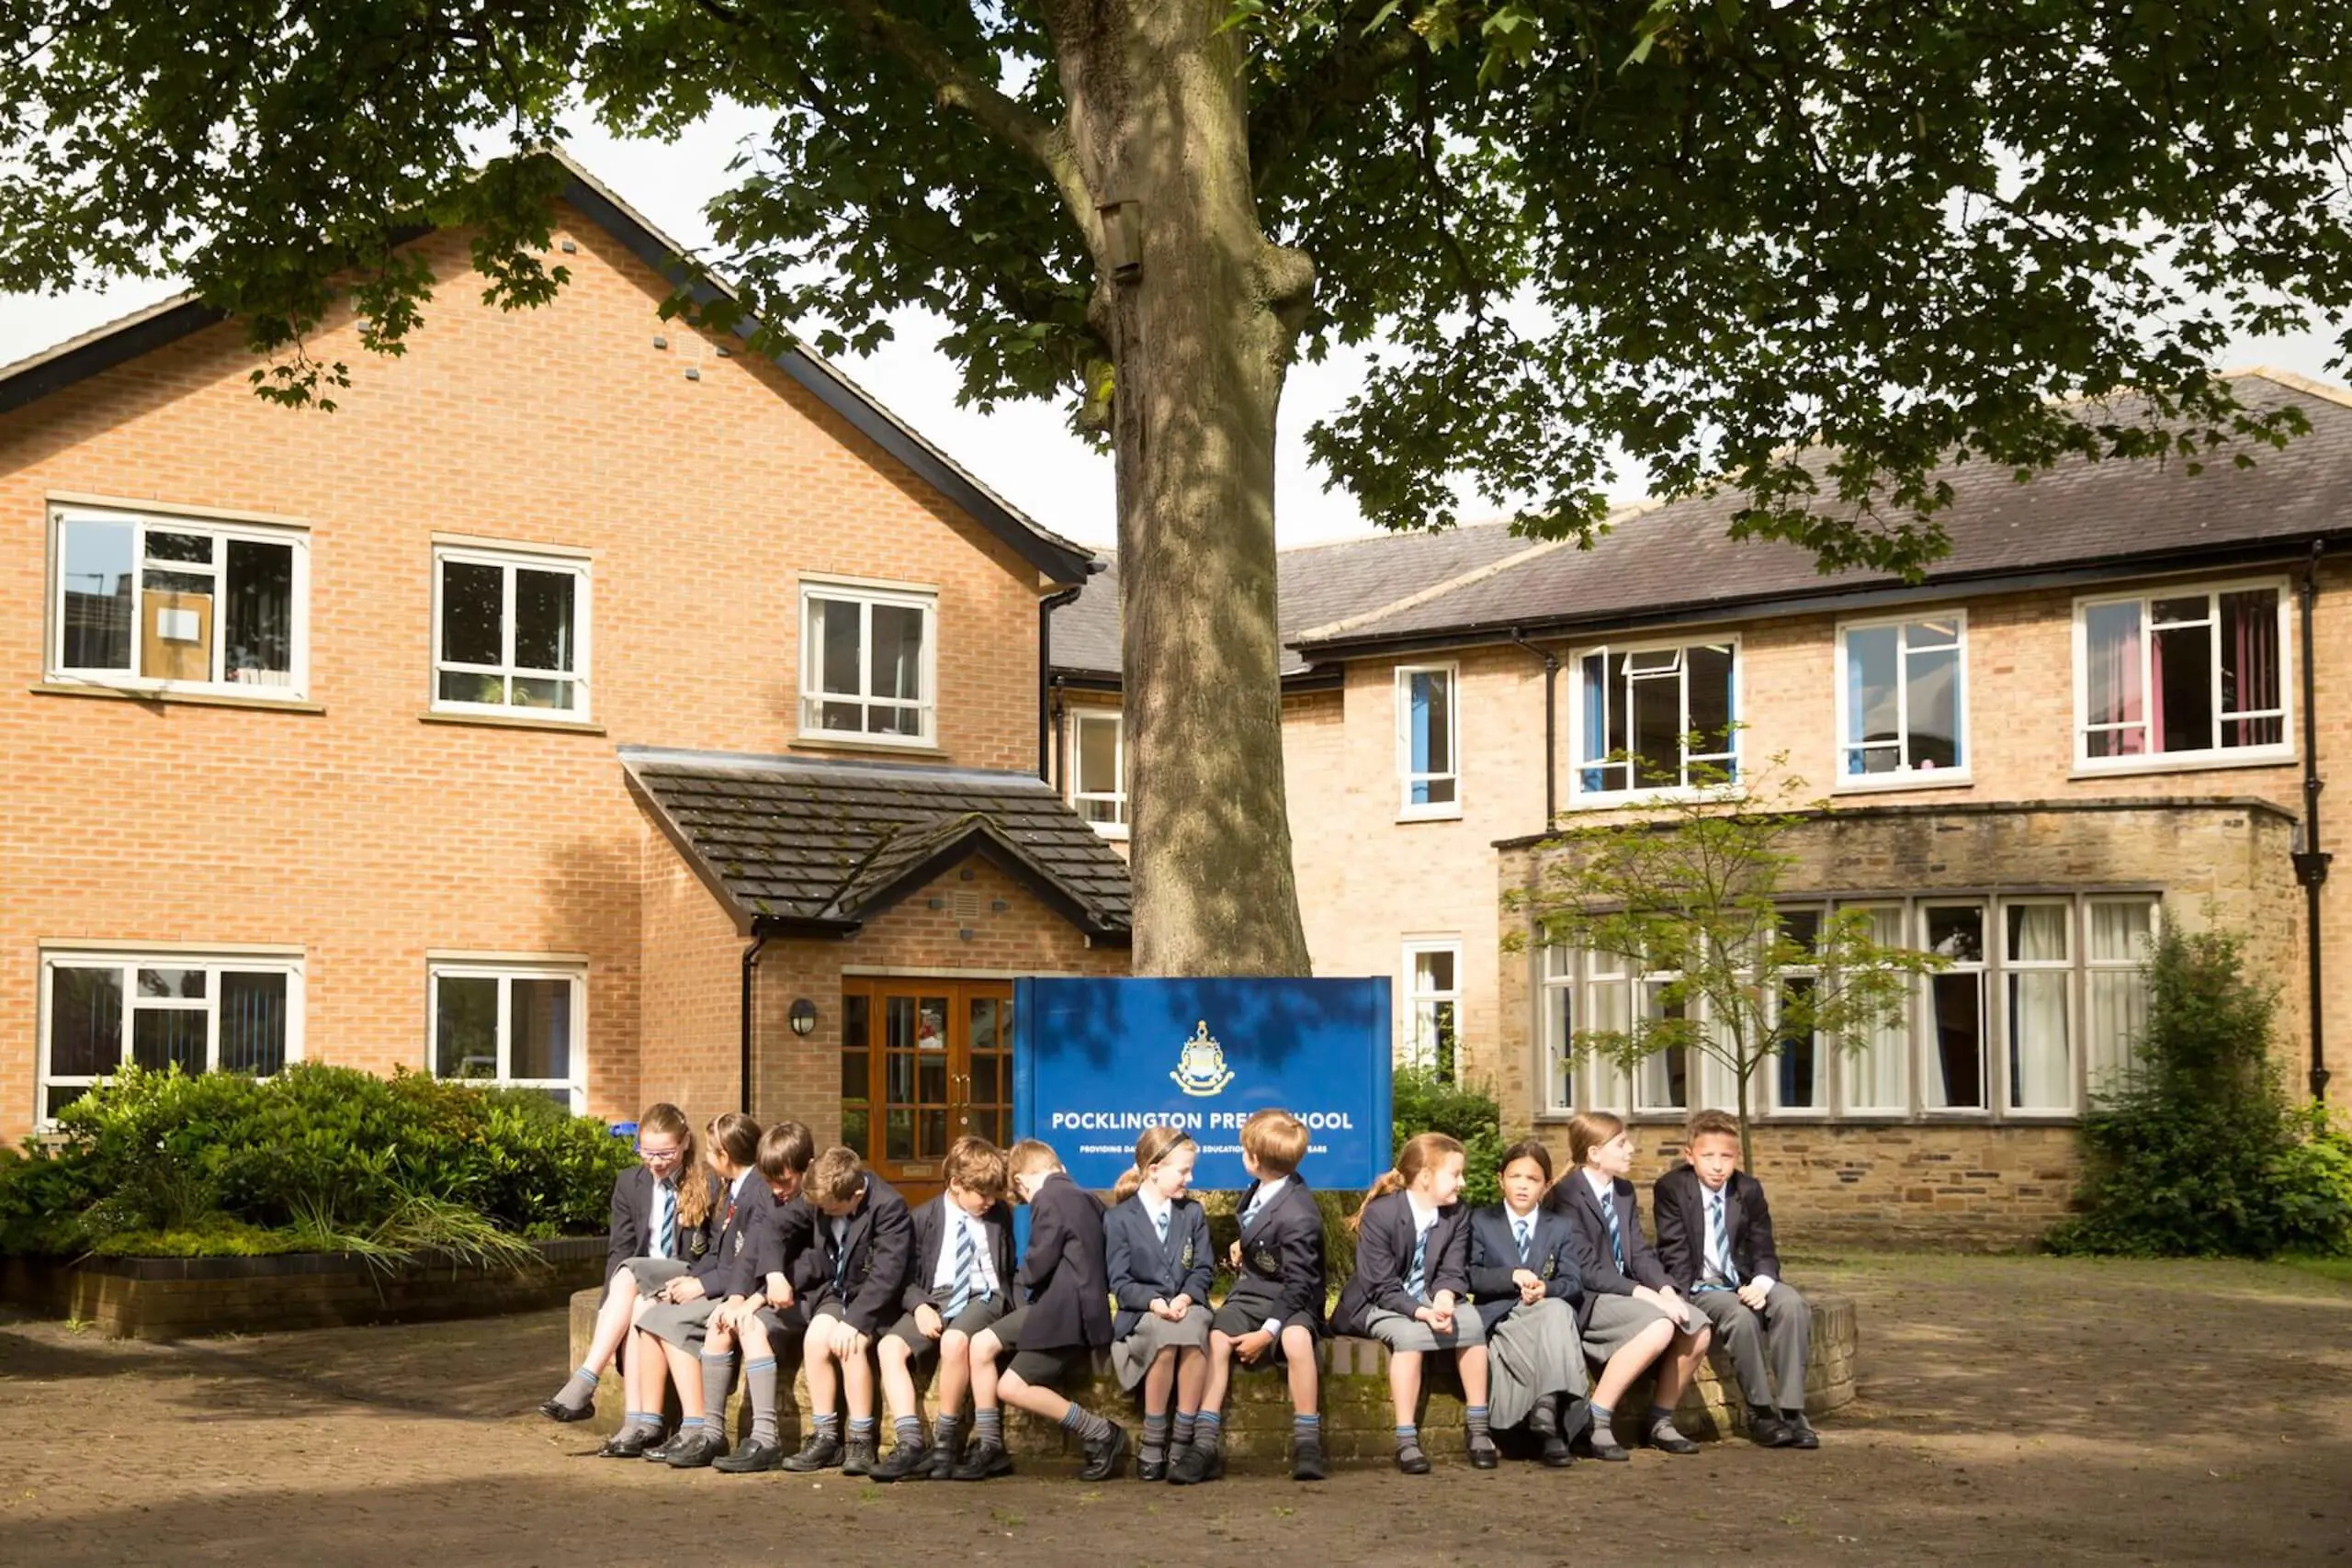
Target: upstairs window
[1098, 774]
[867, 664]
[510, 633]
[1433, 1007]
[1428, 764]
[167, 603]
[2186, 674]
[1901, 703]
[1640, 710]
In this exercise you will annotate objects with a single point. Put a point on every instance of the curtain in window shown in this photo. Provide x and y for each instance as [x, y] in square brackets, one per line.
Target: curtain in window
[2114, 633]
[1596, 720]
[1875, 1079]
[2042, 1073]
[2115, 1010]
[253, 1023]
[2250, 668]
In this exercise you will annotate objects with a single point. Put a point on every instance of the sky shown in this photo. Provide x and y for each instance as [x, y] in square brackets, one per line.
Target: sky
[1025, 451]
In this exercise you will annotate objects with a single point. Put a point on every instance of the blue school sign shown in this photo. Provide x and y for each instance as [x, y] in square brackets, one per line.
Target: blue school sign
[1095, 1062]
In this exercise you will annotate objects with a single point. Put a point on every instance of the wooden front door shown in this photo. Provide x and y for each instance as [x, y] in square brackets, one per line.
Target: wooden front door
[923, 1061]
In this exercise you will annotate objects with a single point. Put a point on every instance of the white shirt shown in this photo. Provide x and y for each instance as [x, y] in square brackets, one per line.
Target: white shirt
[1708, 1197]
[1603, 1186]
[1267, 1192]
[942, 1278]
[1159, 1210]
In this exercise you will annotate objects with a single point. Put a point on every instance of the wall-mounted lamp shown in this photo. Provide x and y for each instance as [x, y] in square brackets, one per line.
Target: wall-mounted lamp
[1122, 238]
[802, 1016]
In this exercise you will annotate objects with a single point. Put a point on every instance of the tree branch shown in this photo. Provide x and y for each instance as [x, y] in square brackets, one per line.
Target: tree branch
[1346, 78]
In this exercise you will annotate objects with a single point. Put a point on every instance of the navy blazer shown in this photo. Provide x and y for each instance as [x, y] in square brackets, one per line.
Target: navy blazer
[866, 1270]
[731, 1266]
[1552, 1252]
[1143, 1267]
[1572, 1195]
[1680, 1204]
[1282, 1252]
[1064, 1271]
[932, 1229]
[787, 1246]
[1384, 1256]
[632, 1223]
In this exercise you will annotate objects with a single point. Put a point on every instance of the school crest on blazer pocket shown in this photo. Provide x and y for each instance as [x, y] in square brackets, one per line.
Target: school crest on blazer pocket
[1265, 1260]
[1551, 1266]
[697, 1243]
[1187, 1261]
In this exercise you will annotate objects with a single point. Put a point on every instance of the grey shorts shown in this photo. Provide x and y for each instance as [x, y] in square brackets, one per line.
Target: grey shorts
[1616, 1322]
[1244, 1314]
[1401, 1333]
[977, 1314]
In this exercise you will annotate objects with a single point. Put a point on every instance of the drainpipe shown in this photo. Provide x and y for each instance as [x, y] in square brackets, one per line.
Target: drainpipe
[1551, 720]
[1053, 723]
[2310, 860]
[1045, 608]
[750, 966]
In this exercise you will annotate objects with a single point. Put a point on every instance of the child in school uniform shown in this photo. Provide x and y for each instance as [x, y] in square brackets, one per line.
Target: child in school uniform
[958, 1286]
[660, 1224]
[1411, 1287]
[787, 1270]
[1632, 1314]
[867, 1239]
[1157, 1242]
[1274, 1313]
[670, 1330]
[1524, 1278]
[1064, 1317]
[1714, 1236]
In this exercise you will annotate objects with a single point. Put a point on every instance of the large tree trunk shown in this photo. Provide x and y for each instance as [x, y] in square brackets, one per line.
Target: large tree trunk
[1200, 341]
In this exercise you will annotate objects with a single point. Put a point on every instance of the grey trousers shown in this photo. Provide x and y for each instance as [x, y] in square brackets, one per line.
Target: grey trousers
[1766, 1347]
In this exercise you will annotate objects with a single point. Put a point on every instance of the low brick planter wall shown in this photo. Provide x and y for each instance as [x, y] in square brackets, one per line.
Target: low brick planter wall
[1357, 1424]
[180, 1298]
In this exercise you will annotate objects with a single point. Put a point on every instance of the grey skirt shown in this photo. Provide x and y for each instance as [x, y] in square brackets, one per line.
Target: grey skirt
[652, 1273]
[1531, 1354]
[1399, 1332]
[1132, 1357]
[684, 1325]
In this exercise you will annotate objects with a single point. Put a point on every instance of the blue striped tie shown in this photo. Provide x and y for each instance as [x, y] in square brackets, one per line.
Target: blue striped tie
[1420, 1255]
[959, 1294]
[1719, 1241]
[1616, 1236]
[1521, 1225]
[666, 1227]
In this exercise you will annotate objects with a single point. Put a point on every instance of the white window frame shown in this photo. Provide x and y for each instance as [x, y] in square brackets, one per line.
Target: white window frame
[1409, 1049]
[511, 558]
[2012, 969]
[1408, 810]
[813, 697]
[127, 960]
[505, 972]
[222, 532]
[1734, 759]
[1116, 797]
[1562, 1067]
[1988, 994]
[2282, 751]
[1906, 776]
[1826, 1053]
[2092, 966]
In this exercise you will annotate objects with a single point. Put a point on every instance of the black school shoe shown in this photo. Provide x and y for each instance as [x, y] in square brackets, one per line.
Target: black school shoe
[1194, 1464]
[907, 1461]
[1306, 1460]
[1801, 1432]
[942, 1461]
[750, 1458]
[1666, 1440]
[1770, 1432]
[1103, 1455]
[1150, 1470]
[821, 1451]
[631, 1442]
[983, 1460]
[1412, 1460]
[859, 1457]
[1597, 1444]
[660, 1452]
[556, 1410]
[699, 1448]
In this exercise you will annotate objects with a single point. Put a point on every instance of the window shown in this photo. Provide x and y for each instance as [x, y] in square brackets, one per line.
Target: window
[167, 603]
[1640, 705]
[510, 633]
[1558, 990]
[203, 1013]
[1098, 773]
[2185, 674]
[1955, 1077]
[1901, 702]
[1428, 769]
[1432, 1006]
[1798, 1077]
[2037, 955]
[1877, 1077]
[2118, 933]
[867, 664]
[524, 1028]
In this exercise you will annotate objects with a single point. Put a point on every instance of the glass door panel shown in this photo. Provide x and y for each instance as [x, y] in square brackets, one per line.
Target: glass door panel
[923, 1061]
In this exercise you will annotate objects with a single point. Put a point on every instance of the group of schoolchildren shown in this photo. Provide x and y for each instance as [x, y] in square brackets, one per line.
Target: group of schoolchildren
[1551, 1303]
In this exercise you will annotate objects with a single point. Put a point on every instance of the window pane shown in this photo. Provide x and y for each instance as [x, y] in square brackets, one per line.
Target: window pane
[1797, 1076]
[2250, 673]
[543, 620]
[1957, 932]
[253, 1023]
[84, 1023]
[1656, 724]
[1872, 659]
[833, 632]
[1956, 1064]
[176, 635]
[98, 588]
[473, 603]
[461, 686]
[1431, 730]
[538, 1041]
[258, 635]
[163, 1037]
[2121, 929]
[544, 692]
[1559, 1023]
[2181, 674]
[1934, 731]
[1098, 756]
[1433, 971]
[856, 1068]
[856, 1015]
[2111, 684]
[465, 1034]
[187, 984]
[898, 653]
[2041, 1064]
[1710, 670]
[856, 1128]
[899, 1134]
[2115, 1015]
[192, 548]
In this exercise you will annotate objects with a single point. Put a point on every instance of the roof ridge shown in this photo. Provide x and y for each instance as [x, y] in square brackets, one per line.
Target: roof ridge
[2326, 391]
[1463, 579]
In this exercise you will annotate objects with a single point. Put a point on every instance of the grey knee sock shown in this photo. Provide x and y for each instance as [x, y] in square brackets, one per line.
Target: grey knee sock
[1660, 1422]
[945, 1430]
[988, 1426]
[759, 1386]
[1182, 1436]
[1090, 1427]
[1155, 1438]
[718, 1381]
[580, 1393]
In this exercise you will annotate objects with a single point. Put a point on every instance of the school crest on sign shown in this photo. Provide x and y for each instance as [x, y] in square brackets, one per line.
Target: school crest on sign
[1200, 1064]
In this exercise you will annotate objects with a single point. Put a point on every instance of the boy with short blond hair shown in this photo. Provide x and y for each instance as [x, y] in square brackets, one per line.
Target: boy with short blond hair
[1275, 1315]
[959, 1284]
[867, 1239]
[1714, 1236]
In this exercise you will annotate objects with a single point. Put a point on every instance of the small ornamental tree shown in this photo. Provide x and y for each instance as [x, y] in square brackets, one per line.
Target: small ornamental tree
[1691, 897]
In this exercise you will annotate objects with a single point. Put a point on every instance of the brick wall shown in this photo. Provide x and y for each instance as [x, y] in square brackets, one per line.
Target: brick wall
[361, 834]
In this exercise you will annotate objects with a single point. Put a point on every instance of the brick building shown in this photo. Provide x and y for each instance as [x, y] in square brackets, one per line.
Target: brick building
[364, 735]
[2091, 717]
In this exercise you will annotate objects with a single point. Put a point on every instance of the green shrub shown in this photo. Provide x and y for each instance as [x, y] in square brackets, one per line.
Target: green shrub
[343, 1159]
[1424, 1102]
[2199, 1152]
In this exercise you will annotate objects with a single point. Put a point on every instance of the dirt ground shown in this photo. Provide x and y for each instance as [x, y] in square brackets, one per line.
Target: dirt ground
[2012, 1410]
